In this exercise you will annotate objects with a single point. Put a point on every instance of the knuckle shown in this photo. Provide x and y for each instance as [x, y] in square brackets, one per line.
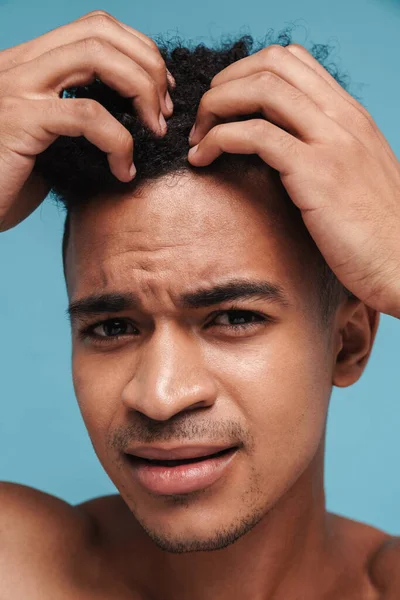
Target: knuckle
[206, 102]
[124, 140]
[149, 87]
[217, 133]
[94, 13]
[363, 123]
[100, 21]
[273, 53]
[362, 110]
[349, 143]
[326, 175]
[93, 45]
[289, 145]
[266, 79]
[87, 109]
[342, 146]
[152, 43]
[297, 48]
[257, 128]
[302, 100]
[158, 64]
[91, 13]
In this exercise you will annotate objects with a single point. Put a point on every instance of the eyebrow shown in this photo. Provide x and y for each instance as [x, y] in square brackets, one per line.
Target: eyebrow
[235, 290]
[238, 289]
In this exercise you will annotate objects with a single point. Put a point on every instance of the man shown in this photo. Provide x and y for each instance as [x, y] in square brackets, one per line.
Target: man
[207, 328]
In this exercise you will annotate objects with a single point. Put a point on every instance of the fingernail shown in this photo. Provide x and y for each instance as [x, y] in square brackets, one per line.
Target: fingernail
[193, 150]
[163, 123]
[171, 79]
[168, 102]
[132, 171]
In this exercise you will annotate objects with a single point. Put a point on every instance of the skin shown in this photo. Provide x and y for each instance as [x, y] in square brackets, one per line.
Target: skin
[263, 530]
[267, 388]
[308, 116]
[221, 385]
[34, 74]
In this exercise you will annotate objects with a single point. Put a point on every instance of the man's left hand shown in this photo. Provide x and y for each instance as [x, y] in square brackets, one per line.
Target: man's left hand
[334, 162]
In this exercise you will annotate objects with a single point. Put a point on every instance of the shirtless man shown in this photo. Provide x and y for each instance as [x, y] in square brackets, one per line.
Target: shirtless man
[222, 346]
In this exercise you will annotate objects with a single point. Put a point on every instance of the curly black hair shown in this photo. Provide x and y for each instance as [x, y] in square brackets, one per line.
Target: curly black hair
[78, 171]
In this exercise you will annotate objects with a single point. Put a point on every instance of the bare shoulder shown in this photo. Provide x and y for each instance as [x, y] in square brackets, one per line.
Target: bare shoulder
[38, 529]
[372, 553]
[27, 511]
[385, 568]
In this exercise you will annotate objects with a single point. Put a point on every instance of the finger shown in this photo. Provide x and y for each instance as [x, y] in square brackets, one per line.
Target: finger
[268, 94]
[78, 64]
[147, 40]
[279, 149]
[302, 54]
[103, 13]
[278, 60]
[151, 60]
[42, 121]
[109, 30]
[285, 64]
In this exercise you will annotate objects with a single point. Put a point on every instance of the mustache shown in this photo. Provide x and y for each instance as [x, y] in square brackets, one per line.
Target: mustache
[181, 429]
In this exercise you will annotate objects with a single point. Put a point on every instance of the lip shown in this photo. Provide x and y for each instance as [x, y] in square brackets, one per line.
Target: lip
[181, 479]
[176, 453]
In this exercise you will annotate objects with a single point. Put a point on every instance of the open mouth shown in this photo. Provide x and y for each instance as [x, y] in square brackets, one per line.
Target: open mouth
[180, 476]
[182, 461]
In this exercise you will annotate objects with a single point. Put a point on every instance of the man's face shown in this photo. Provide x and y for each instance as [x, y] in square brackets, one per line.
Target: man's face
[183, 375]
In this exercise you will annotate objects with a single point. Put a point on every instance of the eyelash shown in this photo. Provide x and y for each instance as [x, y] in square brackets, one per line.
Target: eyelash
[88, 332]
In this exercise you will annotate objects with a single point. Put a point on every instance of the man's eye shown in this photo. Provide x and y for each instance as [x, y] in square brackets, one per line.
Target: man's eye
[113, 328]
[234, 321]
[238, 319]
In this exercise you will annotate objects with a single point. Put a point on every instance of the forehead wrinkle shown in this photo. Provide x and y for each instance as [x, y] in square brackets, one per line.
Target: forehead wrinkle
[142, 263]
[175, 225]
[211, 242]
[216, 261]
[127, 274]
[149, 249]
[151, 259]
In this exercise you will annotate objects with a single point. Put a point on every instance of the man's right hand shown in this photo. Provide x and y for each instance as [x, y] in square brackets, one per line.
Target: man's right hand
[33, 113]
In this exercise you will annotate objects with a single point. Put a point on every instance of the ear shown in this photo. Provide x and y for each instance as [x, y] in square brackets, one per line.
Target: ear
[355, 331]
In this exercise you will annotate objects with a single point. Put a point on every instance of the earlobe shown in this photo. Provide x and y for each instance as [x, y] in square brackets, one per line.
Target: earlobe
[356, 331]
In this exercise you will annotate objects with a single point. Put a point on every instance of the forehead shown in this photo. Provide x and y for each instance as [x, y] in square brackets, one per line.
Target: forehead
[181, 231]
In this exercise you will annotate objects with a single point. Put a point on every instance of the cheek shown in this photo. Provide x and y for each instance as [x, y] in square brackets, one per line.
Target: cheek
[278, 385]
[98, 381]
[281, 385]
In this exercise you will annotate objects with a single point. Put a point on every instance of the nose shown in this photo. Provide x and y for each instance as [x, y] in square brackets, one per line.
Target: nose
[170, 375]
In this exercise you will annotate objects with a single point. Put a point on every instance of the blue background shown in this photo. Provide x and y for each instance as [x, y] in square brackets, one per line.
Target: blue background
[43, 441]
